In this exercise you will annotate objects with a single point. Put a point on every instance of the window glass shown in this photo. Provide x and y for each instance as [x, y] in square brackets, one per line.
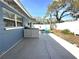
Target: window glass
[19, 20]
[11, 19]
[9, 23]
[19, 24]
[8, 14]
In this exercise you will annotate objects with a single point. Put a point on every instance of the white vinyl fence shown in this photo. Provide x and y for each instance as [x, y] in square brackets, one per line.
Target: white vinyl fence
[72, 26]
[42, 26]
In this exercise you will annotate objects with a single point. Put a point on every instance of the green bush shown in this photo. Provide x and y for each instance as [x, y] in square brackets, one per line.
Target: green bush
[66, 31]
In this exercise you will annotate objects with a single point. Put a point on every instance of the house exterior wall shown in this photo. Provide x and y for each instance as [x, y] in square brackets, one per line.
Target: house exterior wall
[8, 37]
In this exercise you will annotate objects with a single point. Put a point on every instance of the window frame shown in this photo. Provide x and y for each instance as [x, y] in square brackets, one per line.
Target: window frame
[15, 20]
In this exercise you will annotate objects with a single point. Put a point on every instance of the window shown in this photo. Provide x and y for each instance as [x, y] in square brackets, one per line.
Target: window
[9, 23]
[8, 14]
[19, 20]
[11, 19]
[19, 24]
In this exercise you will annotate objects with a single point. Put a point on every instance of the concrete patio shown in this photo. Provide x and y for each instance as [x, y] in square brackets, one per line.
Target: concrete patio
[43, 48]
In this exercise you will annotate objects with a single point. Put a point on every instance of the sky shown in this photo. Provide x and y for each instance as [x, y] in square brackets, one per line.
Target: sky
[37, 8]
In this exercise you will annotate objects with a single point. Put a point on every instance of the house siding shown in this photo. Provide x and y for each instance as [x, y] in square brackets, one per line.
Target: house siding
[8, 37]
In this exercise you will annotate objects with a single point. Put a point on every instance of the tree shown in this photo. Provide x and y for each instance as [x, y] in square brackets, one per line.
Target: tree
[62, 8]
[75, 8]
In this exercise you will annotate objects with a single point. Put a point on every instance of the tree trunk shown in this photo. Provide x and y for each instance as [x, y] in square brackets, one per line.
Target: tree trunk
[58, 19]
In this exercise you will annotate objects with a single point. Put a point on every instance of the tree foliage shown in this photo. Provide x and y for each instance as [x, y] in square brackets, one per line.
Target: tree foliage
[68, 7]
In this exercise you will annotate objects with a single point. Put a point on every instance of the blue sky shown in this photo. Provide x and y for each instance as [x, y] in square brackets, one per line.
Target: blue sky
[36, 7]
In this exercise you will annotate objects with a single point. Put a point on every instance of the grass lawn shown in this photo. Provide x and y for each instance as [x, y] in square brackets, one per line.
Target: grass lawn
[68, 37]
